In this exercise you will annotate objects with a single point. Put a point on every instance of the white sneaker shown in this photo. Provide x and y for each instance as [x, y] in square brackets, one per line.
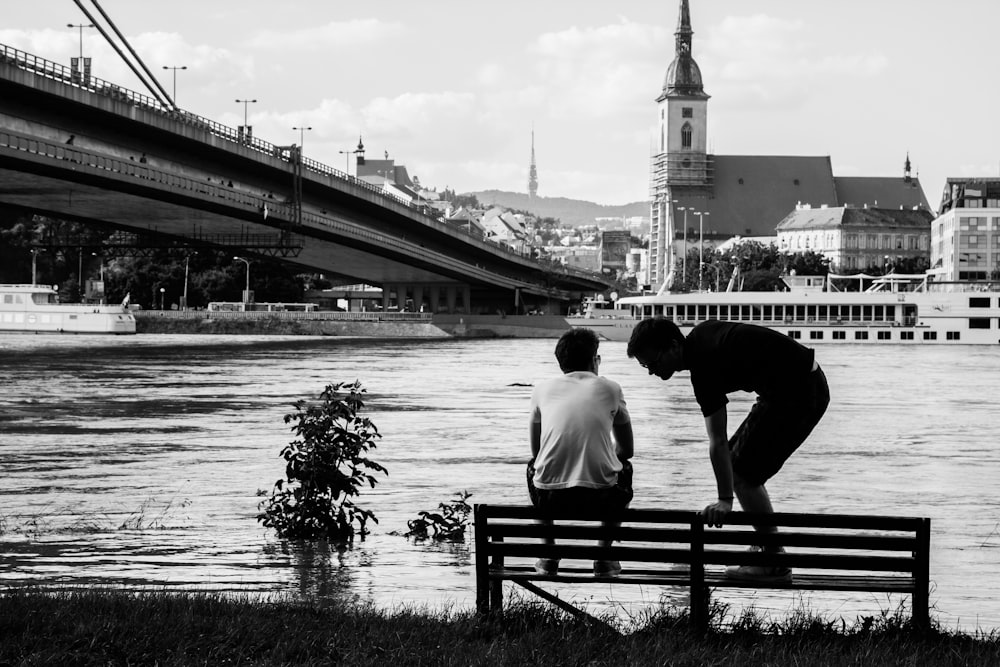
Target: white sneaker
[770, 573]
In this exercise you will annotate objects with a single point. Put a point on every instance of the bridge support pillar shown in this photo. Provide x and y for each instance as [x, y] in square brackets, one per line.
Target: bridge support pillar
[466, 299]
[418, 298]
[450, 298]
[386, 290]
[435, 298]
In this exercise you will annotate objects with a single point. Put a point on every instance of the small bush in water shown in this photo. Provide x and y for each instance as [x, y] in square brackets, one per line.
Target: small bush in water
[326, 465]
[446, 525]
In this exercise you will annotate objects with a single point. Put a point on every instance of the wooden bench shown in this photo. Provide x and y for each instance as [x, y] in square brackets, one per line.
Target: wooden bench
[832, 552]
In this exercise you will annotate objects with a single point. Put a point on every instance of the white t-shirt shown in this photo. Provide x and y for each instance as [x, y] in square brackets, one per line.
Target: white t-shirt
[577, 447]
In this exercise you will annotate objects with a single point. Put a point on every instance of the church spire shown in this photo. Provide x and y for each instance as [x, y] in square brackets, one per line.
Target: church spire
[907, 172]
[683, 75]
[532, 170]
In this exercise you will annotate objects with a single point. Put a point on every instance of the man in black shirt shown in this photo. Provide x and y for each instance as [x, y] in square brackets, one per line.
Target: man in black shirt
[723, 357]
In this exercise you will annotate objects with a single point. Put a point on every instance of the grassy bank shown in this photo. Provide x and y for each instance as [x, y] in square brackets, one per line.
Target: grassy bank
[90, 627]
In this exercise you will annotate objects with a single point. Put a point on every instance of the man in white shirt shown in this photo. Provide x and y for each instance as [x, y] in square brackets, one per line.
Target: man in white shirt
[581, 440]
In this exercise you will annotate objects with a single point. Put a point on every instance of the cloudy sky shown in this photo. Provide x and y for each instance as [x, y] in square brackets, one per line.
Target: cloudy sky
[453, 88]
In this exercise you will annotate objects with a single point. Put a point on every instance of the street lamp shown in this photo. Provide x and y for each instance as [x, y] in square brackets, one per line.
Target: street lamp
[184, 299]
[684, 245]
[302, 136]
[175, 79]
[246, 292]
[162, 302]
[701, 243]
[245, 103]
[81, 26]
[347, 159]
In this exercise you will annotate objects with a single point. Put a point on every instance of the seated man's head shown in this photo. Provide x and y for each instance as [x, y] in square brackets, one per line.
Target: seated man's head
[577, 351]
[658, 345]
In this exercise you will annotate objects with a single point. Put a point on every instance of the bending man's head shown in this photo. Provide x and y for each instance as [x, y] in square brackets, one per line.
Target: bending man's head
[577, 350]
[658, 345]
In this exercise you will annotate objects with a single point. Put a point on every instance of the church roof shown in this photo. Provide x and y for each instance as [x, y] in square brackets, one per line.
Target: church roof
[752, 193]
[849, 216]
[880, 191]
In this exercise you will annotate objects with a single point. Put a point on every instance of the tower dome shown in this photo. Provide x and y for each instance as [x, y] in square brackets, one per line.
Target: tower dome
[683, 74]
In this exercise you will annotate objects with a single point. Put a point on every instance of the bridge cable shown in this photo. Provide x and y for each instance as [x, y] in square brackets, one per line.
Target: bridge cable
[162, 97]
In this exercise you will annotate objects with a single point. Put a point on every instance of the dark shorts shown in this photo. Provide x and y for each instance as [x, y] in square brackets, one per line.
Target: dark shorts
[775, 429]
[609, 499]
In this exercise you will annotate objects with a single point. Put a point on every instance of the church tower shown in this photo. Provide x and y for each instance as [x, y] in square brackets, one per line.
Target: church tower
[681, 165]
[532, 171]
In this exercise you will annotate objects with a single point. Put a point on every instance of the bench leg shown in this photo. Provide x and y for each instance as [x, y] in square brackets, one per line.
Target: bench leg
[700, 599]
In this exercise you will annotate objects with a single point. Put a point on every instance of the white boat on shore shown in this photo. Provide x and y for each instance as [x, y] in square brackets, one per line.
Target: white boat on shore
[905, 309]
[36, 309]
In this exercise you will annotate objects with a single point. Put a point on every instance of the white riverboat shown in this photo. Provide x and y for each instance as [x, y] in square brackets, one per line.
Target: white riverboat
[902, 309]
[35, 308]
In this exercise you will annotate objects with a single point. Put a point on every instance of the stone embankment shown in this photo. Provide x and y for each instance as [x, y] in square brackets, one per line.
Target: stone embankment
[322, 324]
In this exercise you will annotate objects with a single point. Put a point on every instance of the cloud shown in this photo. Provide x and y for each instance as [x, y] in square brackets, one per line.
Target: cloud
[416, 113]
[765, 62]
[597, 72]
[345, 35]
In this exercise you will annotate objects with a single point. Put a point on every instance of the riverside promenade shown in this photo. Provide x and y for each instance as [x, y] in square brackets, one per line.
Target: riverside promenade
[358, 324]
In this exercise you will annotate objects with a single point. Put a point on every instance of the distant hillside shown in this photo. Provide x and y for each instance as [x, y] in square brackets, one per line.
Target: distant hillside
[569, 211]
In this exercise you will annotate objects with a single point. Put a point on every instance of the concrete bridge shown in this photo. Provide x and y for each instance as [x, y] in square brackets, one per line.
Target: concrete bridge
[83, 149]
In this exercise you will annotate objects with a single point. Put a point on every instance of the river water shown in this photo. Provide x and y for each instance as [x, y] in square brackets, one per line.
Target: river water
[139, 462]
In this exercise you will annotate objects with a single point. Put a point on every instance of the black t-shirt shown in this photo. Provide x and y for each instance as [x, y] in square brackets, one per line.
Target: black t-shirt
[724, 357]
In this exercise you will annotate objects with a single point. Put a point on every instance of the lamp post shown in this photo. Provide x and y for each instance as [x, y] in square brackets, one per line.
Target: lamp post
[246, 126]
[81, 26]
[163, 291]
[347, 160]
[175, 79]
[184, 299]
[246, 292]
[684, 245]
[701, 244]
[34, 260]
[302, 136]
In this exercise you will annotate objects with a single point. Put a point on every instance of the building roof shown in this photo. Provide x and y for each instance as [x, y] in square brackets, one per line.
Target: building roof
[804, 218]
[880, 192]
[751, 194]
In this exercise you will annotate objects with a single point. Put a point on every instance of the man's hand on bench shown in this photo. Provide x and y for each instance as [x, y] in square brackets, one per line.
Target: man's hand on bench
[716, 512]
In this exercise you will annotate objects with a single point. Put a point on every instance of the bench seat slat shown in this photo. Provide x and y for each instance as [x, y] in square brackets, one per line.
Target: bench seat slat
[805, 581]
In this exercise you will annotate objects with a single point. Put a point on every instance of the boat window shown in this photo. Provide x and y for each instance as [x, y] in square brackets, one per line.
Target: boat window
[953, 335]
[768, 313]
[930, 335]
[855, 313]
[839, 335]
[822, 313]
[868, 313]
[815, 335]
[905, 335]
[811, 312]
[979, 323]
[795, 334]
[885, 335]
[745, 313]
[890, 313]
[8, 298]
[701, 312]
[668, 312]
[800, 313]
[860, 335]
[713, 312]
[979, 302]
[756, 313]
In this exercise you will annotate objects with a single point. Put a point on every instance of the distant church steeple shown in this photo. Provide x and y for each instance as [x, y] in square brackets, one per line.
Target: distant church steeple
[907, 172]
[532, 170]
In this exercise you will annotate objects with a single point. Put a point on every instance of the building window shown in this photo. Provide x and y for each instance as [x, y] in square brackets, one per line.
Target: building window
[953, 335]
[979, 323]
[687, 112]
[686, 136]
[860, 335]
[930, 335]
[884, 335]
